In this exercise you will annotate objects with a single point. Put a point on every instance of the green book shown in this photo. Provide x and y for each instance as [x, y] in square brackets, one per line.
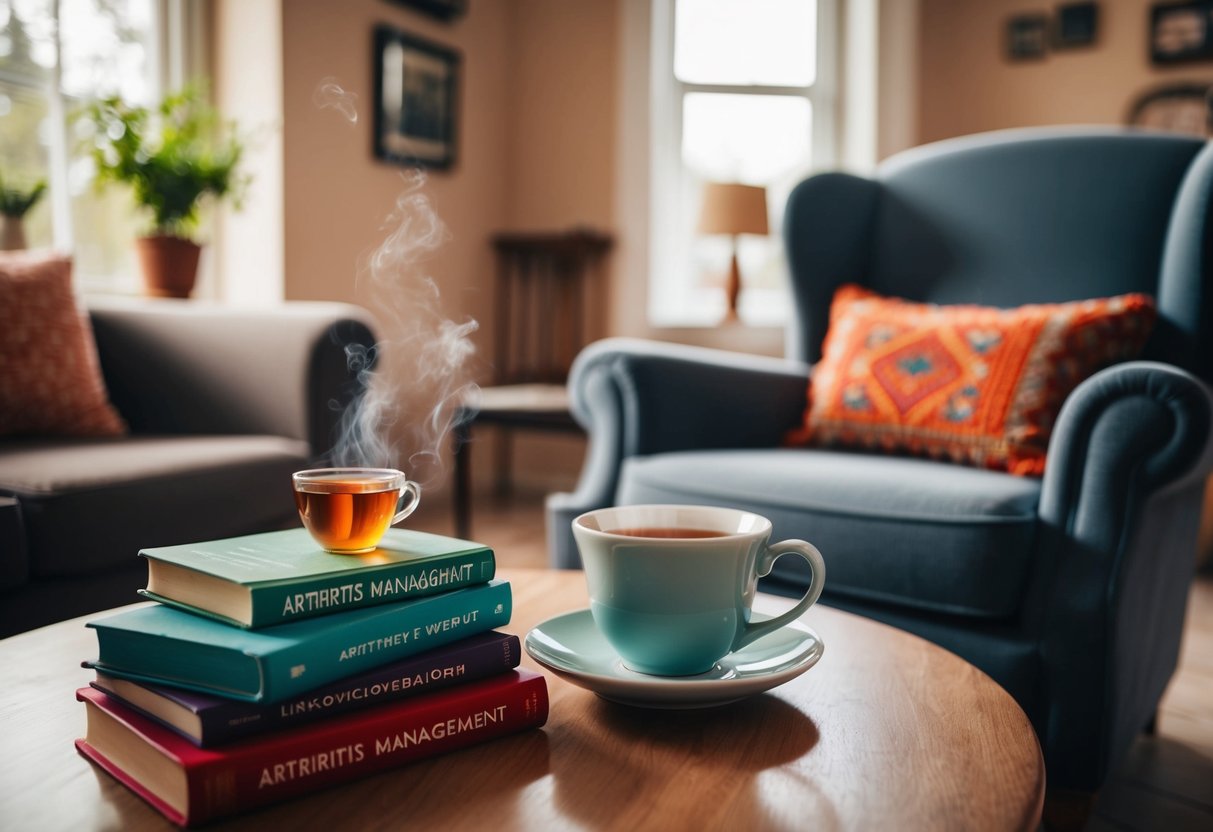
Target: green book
[265, 579]
[168, 646]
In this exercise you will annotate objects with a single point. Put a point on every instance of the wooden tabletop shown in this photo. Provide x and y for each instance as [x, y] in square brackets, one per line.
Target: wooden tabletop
[887, 731]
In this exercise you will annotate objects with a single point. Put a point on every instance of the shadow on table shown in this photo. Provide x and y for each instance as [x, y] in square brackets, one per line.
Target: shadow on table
[706, 767]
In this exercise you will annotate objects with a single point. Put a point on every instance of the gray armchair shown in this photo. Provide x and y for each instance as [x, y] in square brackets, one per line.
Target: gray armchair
[1069, 590]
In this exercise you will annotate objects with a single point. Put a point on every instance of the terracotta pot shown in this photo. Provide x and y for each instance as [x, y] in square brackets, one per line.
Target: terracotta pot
[169, 265]
[12, 233]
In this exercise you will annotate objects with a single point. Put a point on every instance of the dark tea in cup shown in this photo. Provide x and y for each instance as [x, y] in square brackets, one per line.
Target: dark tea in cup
[347, 510]
[669, 532]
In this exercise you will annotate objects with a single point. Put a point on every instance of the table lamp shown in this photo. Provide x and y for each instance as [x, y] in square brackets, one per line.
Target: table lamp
[730, 208]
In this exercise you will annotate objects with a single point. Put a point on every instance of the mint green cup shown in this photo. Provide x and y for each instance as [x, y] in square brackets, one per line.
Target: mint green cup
[675, 605]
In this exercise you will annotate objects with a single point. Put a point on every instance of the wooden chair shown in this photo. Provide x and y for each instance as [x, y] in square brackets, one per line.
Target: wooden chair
[544, 288]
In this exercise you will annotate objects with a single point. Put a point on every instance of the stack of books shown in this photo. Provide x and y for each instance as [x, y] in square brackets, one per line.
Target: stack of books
[270, 668]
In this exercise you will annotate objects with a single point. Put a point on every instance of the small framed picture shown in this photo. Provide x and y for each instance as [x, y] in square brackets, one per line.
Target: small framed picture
[444, 10]
[1181, 32]
[1075, 24]
[416, 100]
[1027, 37]
[1184, 107]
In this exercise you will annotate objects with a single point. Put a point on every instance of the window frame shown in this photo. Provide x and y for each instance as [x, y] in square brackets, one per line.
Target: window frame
[666, 301]
[176, 51]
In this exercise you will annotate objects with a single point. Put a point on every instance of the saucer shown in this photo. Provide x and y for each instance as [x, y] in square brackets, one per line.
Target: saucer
[571, 646]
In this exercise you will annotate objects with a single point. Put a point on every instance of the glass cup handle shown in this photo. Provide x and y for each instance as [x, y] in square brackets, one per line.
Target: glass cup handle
[413, 492]
[765, 561]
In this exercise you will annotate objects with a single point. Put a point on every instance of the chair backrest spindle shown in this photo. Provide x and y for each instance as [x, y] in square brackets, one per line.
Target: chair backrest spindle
[542, 289]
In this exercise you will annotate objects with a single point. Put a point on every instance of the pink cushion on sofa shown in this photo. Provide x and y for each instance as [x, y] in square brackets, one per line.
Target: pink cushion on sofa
[50, 379]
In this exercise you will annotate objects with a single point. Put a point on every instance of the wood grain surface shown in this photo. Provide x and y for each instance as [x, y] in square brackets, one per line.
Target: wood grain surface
[886, 732]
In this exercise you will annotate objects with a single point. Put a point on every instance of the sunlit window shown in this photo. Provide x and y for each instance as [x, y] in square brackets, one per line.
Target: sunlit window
[748, 99]
[54, 57]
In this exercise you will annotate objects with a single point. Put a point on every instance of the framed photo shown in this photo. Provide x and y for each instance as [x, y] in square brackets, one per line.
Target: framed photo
[444, 10]
[1185, 107]
[1027, 37]
[1181, 32]
[1075, 24]
[416, 100]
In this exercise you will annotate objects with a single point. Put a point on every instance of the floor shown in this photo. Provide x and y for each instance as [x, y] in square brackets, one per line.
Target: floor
[1165, 784]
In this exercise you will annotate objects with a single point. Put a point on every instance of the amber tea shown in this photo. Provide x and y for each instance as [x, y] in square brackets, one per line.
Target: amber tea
[669, 532]
[347, 510]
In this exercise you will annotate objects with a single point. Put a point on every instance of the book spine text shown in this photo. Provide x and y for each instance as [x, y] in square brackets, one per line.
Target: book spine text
[279, 604]
[432, 623]
[443, 724]
[432, 670]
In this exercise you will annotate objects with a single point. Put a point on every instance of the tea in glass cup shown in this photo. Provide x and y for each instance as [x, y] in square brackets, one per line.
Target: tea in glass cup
[347, 510]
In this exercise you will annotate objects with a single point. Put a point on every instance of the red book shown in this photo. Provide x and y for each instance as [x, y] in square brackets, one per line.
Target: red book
[191, 785]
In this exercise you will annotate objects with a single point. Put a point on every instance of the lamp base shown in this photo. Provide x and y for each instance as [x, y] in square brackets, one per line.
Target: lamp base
[732, 290]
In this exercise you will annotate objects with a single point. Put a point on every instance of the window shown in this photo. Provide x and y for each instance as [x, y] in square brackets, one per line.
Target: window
[741, 92]
[56, 55]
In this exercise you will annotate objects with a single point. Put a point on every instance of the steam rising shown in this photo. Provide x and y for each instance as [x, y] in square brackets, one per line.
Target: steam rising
[420, 377]
[330, 96]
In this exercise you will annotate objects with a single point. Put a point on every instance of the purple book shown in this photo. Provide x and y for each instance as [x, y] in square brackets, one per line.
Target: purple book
[208, 720]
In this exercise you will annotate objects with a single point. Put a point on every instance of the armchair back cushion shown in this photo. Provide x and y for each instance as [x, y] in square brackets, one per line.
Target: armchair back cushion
[1016, 217]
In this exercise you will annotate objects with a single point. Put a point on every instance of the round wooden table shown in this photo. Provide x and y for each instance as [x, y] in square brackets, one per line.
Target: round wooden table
[887, 731]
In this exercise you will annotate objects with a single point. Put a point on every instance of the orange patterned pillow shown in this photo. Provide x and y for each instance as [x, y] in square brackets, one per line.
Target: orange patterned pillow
[972, 384]
[50, 381]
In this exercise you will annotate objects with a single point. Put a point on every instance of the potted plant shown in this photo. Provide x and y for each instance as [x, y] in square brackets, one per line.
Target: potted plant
[14, 205]
[171, 157]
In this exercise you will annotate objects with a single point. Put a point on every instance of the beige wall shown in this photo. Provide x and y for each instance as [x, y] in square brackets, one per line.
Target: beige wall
[969, 86]
[562, 114]
[560, 166]
[337, 194]
[535, 151]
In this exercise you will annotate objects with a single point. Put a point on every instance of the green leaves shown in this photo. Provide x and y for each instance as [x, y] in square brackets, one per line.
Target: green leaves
[171, 157]
[15, 202]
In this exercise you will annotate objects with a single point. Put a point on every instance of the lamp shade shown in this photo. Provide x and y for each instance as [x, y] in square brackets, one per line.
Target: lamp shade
[729, 208]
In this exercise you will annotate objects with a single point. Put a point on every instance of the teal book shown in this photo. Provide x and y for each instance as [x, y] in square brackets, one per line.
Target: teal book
[261, 580]
[163, 645]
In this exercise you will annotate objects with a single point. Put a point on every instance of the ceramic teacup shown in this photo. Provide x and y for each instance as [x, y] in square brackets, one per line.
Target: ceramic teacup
[672, 587]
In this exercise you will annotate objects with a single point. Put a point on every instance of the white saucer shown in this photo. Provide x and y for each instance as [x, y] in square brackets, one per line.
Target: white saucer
[572, 647]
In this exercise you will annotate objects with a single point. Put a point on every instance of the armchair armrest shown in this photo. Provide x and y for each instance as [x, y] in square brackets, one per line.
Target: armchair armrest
[175, 367]
[1142, 420]
[636, 398]
[1119, 511]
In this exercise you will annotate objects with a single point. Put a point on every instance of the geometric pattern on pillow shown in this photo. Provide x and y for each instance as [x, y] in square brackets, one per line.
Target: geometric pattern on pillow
[975, 385]
[50, 378]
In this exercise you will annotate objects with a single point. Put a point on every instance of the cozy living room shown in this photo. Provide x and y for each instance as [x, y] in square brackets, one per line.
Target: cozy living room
[406, 407]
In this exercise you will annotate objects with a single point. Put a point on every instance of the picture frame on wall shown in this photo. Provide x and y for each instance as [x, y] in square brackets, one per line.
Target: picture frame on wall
[416, 100]
[1027, 37]
[1181, 32]
[1075, 24]
[444, 10]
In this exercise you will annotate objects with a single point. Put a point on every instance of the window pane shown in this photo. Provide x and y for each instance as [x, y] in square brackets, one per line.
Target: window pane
[105, 224]
[756, 139]
[746, 42]
[27, 41]
[106, 48]
[745, 138]
[106, 51]
[25, 152]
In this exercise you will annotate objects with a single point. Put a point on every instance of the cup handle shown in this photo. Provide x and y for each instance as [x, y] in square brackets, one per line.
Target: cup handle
[413, 491]
[765, 561]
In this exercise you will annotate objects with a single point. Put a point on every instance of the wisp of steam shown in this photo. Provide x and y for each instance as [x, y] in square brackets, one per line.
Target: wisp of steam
[418, 381]
[330, 95]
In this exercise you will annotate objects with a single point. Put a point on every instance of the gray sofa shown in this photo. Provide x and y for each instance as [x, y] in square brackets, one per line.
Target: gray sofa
[223, 405]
